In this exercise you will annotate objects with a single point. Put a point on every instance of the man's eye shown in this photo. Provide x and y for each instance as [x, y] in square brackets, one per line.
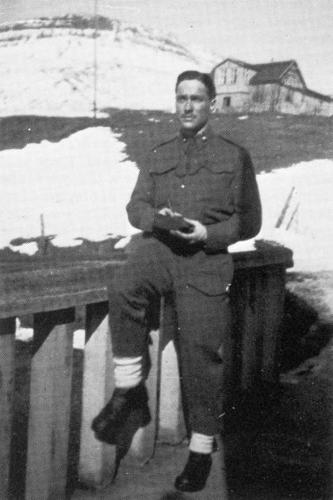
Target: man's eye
[181, 99]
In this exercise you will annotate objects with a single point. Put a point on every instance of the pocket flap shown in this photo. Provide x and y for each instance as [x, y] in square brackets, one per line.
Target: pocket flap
[211, 284]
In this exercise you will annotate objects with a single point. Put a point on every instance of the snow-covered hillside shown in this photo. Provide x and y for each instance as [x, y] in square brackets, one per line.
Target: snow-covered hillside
[47, 66]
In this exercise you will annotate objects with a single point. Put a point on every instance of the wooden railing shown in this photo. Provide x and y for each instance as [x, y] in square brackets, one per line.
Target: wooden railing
[52, 294]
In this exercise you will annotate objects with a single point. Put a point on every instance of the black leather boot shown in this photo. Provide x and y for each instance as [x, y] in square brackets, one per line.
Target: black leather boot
[195, 474]
[108, 423]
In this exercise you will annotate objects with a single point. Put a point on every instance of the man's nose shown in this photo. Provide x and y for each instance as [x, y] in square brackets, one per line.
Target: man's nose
[188, 105]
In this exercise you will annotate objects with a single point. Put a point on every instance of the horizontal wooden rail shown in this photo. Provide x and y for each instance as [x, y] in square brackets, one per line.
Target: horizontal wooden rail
[52, 294]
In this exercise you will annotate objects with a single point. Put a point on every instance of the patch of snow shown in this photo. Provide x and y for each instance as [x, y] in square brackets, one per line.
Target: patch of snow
[244, 117]
[80, 184]
[23, 334]
[79, 339]
[26, 335]
[305, 227]
[123, 242]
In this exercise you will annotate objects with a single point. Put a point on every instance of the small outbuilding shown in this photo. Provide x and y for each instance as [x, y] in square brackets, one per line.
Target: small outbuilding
[275, 86]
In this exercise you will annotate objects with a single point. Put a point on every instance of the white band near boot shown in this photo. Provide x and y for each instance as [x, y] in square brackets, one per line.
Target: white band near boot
[201, 443]
[127, 372]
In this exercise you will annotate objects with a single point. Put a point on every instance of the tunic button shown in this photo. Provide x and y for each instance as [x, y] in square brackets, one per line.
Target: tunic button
[182, 186]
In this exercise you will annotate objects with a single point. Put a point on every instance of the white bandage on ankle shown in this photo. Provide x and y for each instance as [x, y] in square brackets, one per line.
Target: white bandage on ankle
[127, 372]
[201, 443]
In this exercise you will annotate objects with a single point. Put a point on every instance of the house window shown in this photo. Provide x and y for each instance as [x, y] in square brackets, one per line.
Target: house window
[226, 102]
[258, 95]
[234, 76]
[289, 96]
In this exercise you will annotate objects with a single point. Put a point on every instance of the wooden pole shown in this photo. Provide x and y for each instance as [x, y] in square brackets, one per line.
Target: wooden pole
[7, 370]
[95, 59]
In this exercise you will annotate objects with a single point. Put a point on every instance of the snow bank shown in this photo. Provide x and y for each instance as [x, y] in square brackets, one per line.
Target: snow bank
[307, 225]
[305, 222]
[80, 185]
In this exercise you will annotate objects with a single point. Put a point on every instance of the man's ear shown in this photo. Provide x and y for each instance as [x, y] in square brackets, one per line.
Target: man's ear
[212, 105]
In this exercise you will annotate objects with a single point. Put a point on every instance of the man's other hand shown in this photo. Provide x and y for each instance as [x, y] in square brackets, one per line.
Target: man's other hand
[198, 232]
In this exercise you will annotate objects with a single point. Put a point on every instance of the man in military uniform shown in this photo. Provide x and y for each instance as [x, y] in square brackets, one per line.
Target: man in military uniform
[196, 196]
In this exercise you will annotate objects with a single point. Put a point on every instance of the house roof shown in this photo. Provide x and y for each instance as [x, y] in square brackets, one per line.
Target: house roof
[267, 72]
[271, 72]
[317, 95]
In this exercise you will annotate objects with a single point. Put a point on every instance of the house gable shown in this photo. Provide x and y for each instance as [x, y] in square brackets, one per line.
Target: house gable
[232, 75]
[293, 78]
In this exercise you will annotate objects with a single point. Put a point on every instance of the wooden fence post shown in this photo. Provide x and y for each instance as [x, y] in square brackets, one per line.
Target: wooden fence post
[7, 372]
[271, 320]
[50, 398]
[97, 460]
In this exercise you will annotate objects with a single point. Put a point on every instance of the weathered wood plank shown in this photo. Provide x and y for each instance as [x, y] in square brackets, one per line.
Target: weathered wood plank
[50, 394]
[97, 460]
[248, 345]
[47, 287]
[271, 321]
[7, 372]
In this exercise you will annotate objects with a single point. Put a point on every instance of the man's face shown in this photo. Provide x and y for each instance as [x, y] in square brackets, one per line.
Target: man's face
[193, 105]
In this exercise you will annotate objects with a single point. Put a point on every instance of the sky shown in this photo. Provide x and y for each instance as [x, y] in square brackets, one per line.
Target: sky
[255, 31]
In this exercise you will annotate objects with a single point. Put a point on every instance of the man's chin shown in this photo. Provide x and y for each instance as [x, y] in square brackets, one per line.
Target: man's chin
[187, 124]
[190, 129]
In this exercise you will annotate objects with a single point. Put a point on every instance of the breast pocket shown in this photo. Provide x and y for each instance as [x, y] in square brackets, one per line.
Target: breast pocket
[216, 189]
[162, 186]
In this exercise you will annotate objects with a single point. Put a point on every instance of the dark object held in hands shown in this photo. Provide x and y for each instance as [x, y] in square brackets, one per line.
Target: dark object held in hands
[172, 223]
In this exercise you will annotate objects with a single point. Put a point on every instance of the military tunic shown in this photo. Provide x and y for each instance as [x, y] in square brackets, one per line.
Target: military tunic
[209, 179]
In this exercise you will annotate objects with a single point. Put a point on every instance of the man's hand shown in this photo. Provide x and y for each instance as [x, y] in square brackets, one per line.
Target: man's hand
[197, 233]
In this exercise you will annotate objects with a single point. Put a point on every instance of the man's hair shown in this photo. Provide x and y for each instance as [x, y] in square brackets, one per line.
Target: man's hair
[204, 78]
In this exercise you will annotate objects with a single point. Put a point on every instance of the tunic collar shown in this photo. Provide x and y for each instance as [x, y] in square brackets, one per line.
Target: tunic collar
[199, 139]
[192, 155]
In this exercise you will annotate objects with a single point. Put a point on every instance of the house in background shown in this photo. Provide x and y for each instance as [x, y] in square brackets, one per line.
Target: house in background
[274, 86]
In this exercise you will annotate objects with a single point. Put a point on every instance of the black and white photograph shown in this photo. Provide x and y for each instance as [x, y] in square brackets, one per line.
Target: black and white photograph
[166, 250]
